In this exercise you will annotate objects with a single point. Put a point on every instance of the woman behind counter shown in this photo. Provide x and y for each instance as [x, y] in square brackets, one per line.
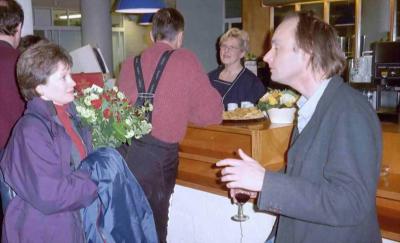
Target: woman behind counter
[234, 82]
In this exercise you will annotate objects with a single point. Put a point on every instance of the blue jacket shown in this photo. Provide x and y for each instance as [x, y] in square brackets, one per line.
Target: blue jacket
[121, 212]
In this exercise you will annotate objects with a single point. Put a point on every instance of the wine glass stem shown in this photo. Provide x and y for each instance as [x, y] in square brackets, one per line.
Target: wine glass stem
[240, 209]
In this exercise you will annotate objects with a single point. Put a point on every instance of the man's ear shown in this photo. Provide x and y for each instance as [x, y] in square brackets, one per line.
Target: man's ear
[17, 36]
[179, 39]
[151, 36]
[19, 28]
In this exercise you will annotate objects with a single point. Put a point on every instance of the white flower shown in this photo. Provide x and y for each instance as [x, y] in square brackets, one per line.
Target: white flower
[128, 121]
[97, 89]
[87, 91]
[120, 95]
[94, 96]
[287, 99]
[115, 88]
[130, 134]
[85, 112]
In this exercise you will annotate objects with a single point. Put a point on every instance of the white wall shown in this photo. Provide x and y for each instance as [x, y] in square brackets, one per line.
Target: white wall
[27, 27]
[137, 37]
[203, 25]
[200, 217]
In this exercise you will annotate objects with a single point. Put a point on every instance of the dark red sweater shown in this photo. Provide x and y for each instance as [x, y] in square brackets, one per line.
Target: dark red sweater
[184, 93]
[11, 103]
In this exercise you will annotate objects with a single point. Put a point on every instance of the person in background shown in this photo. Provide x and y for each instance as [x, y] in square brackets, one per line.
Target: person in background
[11, 103]
[234, 82]
[28, 41]
[327, 191]
[46, 144]
[183, 94]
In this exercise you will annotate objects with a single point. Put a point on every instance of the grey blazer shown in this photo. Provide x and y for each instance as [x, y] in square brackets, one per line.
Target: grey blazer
[327, 193]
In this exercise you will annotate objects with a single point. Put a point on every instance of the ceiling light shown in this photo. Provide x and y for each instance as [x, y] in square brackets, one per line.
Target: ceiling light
[139, 6]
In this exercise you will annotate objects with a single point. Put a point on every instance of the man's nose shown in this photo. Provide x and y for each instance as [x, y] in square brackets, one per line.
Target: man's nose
[267, 57]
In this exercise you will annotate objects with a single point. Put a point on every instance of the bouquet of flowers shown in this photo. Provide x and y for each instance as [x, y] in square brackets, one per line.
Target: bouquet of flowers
[276, 98]
[113, 120]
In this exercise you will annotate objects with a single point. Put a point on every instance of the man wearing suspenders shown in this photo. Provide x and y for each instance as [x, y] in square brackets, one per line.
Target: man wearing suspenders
[172, 79]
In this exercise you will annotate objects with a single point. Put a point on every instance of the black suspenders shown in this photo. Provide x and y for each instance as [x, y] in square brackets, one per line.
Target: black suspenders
[148, 96]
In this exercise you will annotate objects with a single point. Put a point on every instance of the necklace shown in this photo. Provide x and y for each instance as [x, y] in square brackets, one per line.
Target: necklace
[229, 76]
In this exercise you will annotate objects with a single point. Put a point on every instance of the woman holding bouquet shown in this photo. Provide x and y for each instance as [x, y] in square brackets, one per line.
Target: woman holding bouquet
[36, 161]
[40, 160]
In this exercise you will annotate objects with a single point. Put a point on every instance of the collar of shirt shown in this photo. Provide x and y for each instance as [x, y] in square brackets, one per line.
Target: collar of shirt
[307, 106]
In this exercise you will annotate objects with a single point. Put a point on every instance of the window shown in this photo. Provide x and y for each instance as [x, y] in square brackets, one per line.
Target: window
[233, 14]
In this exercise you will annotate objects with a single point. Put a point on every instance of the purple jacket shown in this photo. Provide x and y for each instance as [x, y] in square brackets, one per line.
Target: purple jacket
[36, 164]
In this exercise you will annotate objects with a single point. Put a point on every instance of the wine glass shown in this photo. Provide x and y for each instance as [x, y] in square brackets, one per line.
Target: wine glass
[241, 196]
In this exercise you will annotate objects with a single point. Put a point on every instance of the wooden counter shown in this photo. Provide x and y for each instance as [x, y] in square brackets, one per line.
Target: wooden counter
[388, 194]
[203, 147]
[267, 143]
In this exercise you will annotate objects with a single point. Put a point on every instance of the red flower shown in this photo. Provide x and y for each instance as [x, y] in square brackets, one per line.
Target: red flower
[107, 113]
[96, 103]
[106, 97]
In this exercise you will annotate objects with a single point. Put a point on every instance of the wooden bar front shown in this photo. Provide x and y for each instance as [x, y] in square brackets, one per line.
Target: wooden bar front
[203, 147]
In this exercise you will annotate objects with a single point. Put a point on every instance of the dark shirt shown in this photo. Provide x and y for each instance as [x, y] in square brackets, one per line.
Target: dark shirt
[245, 87]
[11, 103]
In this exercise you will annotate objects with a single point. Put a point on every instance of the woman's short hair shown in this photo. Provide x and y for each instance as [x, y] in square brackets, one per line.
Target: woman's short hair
[36, 64]
[11, 15]
[319, 39]
[238, 34]
[167, 23]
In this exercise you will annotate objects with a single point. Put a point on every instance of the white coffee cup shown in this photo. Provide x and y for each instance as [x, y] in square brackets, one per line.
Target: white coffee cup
[246, 104]
[232, 106]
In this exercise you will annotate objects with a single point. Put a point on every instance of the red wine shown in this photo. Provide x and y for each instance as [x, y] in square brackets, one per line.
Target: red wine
[242, 197]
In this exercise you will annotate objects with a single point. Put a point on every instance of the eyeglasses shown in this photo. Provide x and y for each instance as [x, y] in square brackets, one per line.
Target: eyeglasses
[229, 48]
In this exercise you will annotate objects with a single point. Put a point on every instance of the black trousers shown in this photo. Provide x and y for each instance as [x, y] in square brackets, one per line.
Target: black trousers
[154, 164]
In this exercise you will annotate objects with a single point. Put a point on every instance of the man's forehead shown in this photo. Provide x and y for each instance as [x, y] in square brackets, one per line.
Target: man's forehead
[285, 30]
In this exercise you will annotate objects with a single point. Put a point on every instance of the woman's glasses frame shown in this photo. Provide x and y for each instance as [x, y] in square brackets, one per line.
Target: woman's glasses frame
[229, 48]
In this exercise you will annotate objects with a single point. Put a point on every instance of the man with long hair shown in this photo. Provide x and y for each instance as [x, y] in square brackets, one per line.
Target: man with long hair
[327, 191]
